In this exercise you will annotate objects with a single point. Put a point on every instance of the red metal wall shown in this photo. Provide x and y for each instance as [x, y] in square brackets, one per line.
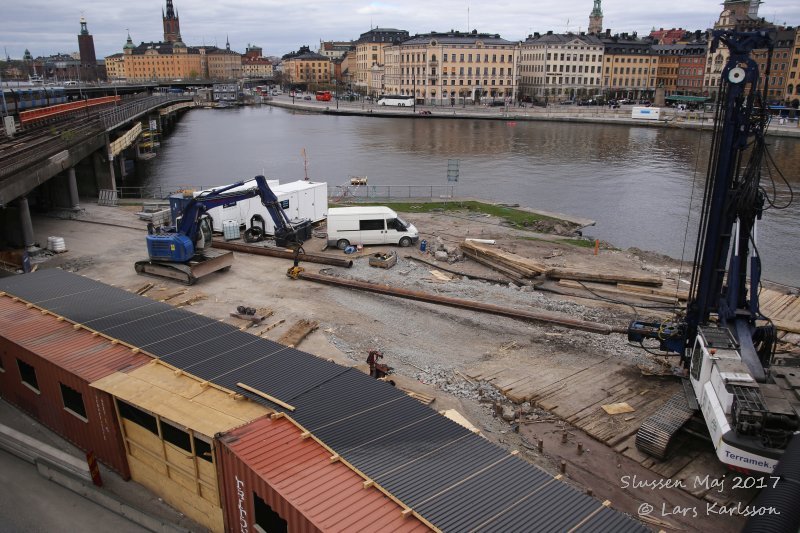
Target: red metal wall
[296, 478]
[100, 433]
[237, 483]
[61, 354]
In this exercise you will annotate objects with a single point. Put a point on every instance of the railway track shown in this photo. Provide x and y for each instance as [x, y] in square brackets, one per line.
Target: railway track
[20, 153]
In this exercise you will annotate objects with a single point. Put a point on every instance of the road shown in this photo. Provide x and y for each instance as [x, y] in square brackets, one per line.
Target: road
[31, 503]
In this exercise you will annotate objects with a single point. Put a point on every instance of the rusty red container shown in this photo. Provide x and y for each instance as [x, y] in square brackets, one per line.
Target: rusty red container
[46, 368]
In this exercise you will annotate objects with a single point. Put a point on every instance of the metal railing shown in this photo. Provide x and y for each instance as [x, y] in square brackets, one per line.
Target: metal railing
[113, 118]
[153, 192]
[336, 193]
[340, 193]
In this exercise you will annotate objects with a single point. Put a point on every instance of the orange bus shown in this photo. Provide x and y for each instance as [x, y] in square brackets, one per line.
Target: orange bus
[324, 96]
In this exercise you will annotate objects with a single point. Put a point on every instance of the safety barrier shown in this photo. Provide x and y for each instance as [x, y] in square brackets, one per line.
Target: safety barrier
[107, 197]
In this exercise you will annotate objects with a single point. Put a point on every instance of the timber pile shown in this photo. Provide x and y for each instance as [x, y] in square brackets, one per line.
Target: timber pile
[515, 267]
[519, 268]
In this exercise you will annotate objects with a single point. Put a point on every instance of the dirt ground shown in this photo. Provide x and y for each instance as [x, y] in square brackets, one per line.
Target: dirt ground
[430, 347]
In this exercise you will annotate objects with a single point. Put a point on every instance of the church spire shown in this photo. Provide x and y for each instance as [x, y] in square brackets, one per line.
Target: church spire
[596, 19]
[172, 25]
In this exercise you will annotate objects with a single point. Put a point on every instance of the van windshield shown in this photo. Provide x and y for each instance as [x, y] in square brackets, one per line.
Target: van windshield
[401, 224]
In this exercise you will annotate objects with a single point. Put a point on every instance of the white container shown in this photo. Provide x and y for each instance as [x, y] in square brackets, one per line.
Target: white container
[301, 199]
[240, 211]
[230, 230]
[646, 113]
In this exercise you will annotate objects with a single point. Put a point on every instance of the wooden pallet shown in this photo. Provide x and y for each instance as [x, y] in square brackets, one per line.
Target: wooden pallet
[299, 331]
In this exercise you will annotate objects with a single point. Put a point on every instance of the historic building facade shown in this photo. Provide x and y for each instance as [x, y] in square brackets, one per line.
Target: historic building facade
[370, 50]
[307, 69]
[560, 66]
[630, 67]
[453, 67]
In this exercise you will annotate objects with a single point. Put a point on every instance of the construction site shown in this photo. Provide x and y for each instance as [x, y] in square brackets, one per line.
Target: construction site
[257, 360]
[538, 364]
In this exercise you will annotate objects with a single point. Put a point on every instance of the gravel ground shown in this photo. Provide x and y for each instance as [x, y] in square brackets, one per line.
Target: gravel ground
[434, 344]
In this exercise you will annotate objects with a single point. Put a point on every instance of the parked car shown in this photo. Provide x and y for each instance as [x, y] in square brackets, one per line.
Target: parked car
[425, 112]
[307, 97]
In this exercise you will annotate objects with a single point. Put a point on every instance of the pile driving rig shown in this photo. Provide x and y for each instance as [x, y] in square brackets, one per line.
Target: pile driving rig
[750, 406]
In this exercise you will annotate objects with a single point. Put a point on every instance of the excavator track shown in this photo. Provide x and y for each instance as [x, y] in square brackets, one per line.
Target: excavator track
[658, 430]
[203, 263]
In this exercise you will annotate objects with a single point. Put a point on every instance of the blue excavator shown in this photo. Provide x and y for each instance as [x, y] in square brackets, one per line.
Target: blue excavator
[183, 251]
[748, 398]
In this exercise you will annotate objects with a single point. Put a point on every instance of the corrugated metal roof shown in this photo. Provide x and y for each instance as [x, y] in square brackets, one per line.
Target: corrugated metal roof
[87, 357]
[451, 477]
[329, 494]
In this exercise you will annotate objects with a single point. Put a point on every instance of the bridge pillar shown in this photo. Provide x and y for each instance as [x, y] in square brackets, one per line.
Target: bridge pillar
[26, 223]
[74, 201]
[104, 168]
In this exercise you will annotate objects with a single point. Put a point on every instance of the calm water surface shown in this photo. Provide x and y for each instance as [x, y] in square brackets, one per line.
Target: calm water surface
[637, 183]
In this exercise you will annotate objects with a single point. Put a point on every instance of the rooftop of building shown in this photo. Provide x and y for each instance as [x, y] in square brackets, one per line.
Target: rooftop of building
[308, 56]
[382, 35]
[564, 38]
[457, 37]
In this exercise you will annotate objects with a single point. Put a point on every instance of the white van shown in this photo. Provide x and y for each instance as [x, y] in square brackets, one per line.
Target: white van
[368, 225]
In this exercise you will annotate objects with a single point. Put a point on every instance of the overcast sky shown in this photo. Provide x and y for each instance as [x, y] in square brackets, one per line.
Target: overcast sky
[279, 26]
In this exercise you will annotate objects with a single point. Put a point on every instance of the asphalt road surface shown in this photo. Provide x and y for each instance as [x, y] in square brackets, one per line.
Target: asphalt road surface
[31, 503]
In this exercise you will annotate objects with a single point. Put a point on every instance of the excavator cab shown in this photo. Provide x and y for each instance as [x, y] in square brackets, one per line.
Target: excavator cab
[205, 234]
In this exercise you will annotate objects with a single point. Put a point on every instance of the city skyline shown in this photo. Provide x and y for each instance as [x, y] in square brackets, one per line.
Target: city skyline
[279, 28]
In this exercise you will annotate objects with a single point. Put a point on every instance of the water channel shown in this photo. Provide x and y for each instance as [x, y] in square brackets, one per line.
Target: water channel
[636, 182]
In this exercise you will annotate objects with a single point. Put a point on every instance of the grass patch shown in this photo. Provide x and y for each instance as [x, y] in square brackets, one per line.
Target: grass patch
[581, 243]
[515, 217]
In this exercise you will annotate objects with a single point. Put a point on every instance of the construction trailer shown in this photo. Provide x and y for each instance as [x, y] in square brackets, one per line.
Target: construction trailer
[46, 368]
[299, 200]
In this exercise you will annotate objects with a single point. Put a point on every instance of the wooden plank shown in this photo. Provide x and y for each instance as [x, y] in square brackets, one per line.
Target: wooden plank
[299, 331]
[791, 327]
[673, 292]
[606, 289]
[608, 277]
[266, 396]
[272, 326]
[441, 276]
